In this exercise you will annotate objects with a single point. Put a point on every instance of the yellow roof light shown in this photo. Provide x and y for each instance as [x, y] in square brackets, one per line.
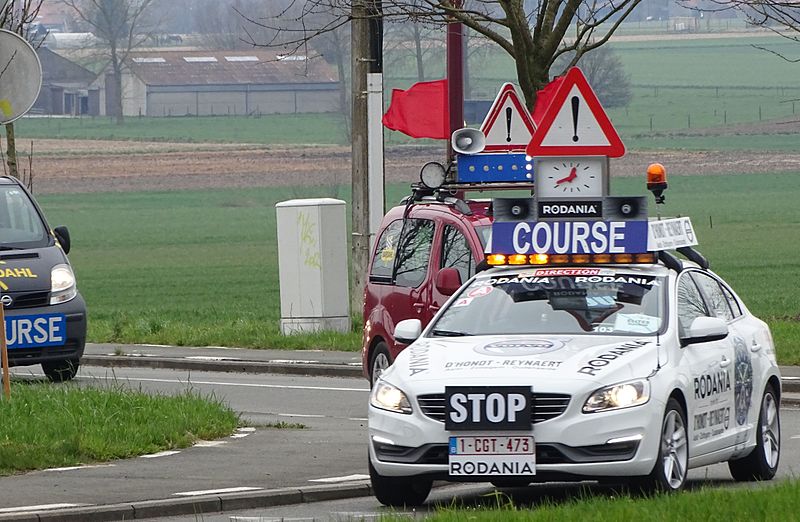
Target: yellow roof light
[517, 259]
[539, 259]
[496, 259]
[601, 258]
[559, 259]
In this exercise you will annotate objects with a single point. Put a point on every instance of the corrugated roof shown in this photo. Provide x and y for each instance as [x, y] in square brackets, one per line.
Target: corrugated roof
[226, 68]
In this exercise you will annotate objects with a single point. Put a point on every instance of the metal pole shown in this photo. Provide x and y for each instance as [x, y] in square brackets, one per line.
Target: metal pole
[455, 76]
[4, 352]
[375, 126]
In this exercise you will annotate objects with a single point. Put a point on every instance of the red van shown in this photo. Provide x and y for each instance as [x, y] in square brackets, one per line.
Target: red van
[424, 250]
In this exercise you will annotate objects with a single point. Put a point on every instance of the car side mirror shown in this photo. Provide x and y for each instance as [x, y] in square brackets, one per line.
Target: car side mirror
[62, 235]
[705, 329]
[407, 331]
[448, 280]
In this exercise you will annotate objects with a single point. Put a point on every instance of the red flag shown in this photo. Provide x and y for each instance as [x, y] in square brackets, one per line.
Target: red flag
[543, 99]
[421, 111]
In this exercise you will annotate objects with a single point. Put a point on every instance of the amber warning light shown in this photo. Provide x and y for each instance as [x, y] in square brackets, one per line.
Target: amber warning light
[657, 181]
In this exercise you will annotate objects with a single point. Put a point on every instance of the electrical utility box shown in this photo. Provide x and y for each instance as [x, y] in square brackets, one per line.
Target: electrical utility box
[312, 260]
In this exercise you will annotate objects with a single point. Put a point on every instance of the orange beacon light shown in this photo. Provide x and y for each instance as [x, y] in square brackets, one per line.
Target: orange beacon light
[657, 181]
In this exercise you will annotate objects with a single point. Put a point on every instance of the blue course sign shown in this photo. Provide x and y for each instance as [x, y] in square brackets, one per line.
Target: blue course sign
[28, 331]
[494, 168]
[569, 237]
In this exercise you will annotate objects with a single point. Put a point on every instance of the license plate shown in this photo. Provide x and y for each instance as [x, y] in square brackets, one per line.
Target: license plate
[34, 331]
[492, 455]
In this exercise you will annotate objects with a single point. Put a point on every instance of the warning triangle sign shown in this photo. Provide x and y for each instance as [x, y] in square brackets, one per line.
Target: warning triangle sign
[575, 123]
[508, 125]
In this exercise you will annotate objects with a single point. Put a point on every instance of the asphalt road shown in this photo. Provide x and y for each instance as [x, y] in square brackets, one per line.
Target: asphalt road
[333, 444]
[329, 450]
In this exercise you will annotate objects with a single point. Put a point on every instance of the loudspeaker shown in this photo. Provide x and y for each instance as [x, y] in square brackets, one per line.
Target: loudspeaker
[624, 208]
[514, 209]
[468, 141]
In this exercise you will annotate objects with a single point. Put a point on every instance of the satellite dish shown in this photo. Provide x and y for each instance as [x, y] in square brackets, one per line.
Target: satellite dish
[20, 76]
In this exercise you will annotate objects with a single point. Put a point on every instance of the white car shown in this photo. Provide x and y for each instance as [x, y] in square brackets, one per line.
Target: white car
[618, 372]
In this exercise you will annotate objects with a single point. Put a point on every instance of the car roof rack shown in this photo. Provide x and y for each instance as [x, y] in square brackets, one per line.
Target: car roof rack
[693, 255]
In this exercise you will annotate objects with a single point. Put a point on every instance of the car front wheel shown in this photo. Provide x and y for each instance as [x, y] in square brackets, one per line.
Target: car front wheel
[399, 491]
[672, 464]
[762, 462]
[60, 371]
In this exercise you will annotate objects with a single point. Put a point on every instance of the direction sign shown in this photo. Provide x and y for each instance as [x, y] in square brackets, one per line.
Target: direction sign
[508, 125]
[575, 123]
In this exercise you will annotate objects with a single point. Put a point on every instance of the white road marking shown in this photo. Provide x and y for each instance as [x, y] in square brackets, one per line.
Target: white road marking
[795, 437]
[40, 507]
[70, 468]
[211, 358]
[209, 443]
[247, 385]
[292, 361]
[357, 419]
[166, 453]
[785, 378]
[346, 478]
[158, 345]
[305, 415]
[246, 429]
[215, 491]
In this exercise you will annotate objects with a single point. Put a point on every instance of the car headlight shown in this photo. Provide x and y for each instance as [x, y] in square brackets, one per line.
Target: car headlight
[618, 396]
[62, 284]
[389, 398]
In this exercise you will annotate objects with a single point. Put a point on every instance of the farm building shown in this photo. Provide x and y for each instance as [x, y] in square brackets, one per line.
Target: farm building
[179, 83]
[67, 88]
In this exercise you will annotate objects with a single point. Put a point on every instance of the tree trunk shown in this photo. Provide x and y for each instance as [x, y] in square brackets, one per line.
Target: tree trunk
[117, 68]
[360, 153]
[11, 151]
[418, 53]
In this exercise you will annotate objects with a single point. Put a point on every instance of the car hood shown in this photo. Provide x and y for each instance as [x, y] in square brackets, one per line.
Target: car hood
[563, 362]
[28, 270]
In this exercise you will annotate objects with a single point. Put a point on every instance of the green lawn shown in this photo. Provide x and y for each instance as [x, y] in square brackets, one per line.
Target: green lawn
[46, 426]
[200, 267]
[776, 501]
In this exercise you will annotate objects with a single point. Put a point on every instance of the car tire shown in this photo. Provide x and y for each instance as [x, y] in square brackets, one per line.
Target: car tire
[762, 462]
[399, 491]
[672, 463]
[378, 362]
[61, 371]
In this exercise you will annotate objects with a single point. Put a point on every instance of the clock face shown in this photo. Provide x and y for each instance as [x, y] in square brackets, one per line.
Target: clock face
[570, 177]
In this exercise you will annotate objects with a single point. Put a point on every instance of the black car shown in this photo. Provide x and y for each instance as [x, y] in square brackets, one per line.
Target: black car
[45, 315]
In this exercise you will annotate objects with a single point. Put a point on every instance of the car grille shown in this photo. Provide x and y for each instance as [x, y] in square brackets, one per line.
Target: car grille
[544, 406]
[28, 299]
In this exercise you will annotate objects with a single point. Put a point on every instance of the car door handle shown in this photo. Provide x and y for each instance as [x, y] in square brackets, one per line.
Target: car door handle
[418, 307]
[724, 362]
[755, 347]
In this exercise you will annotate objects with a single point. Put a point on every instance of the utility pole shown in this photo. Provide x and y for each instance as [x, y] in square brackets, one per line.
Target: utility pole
[455, 75]
[359, 180]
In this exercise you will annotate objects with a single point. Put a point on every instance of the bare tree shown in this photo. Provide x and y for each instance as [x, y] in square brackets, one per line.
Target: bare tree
[780, 16]
[122, 26]
[606, 75]
[17, 16]
[534, 33]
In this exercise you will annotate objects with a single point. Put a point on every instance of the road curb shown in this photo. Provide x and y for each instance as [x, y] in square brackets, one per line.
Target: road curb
[289, 368]
[195, 505]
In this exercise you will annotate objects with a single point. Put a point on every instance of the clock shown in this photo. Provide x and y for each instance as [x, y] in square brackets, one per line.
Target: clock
[571, 177]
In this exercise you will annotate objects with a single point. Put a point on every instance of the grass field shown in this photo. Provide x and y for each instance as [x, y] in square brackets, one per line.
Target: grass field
[765, 502]
[200, 267]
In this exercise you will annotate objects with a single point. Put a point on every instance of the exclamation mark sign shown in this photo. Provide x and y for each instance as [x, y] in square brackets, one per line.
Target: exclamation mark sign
[509, 112]
[575, 105]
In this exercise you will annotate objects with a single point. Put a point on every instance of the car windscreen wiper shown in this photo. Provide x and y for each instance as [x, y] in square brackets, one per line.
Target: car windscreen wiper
[449, 333]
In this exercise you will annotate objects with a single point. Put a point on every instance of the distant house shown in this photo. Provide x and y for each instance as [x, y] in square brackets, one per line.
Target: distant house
[67, 88]
[178, 83]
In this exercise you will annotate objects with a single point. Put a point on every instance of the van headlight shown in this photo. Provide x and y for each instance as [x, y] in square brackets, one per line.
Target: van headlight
[390, 398]
[62, 284]
[618, 396]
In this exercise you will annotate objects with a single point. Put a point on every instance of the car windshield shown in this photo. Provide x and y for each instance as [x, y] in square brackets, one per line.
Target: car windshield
[20, 224]
[567, 301]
